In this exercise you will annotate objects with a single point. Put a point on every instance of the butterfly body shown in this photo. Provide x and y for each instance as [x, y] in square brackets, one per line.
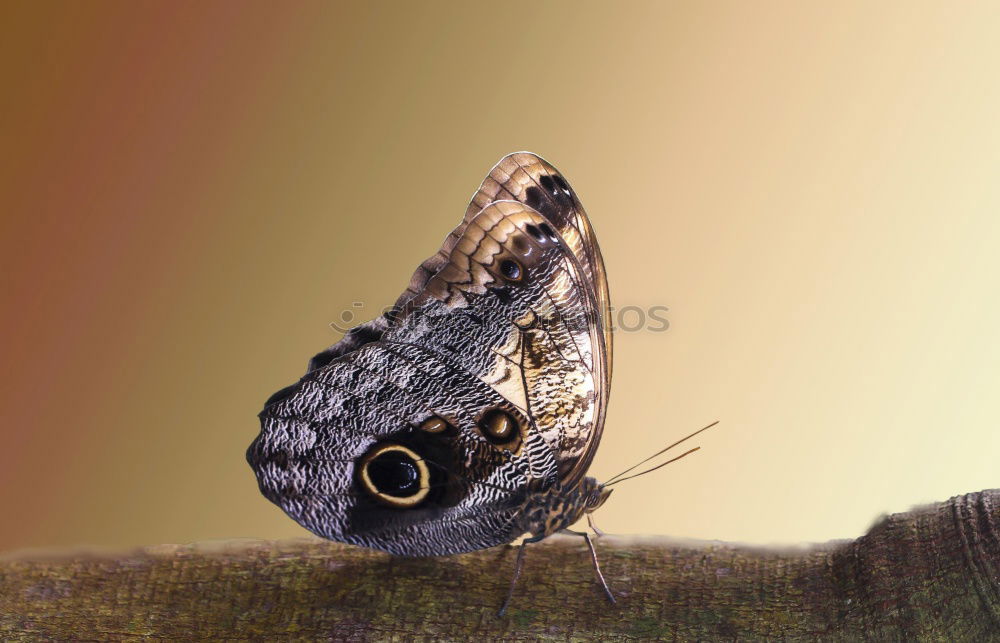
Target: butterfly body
[558, 508]
[468, 414]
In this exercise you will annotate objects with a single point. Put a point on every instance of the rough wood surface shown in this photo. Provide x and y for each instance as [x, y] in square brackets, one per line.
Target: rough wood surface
[930, 574]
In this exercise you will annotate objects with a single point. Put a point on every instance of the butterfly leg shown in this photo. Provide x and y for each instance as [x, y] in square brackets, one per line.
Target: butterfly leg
[597, 567]
[590, 522]
[517, 572]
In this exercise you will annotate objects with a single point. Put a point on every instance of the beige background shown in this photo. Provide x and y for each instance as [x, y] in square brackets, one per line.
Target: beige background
[192, 193]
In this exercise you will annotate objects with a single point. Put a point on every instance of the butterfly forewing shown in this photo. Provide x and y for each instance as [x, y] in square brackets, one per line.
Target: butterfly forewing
[529, 179]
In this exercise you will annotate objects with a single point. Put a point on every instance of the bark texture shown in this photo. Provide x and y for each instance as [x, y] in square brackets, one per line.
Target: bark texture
[930, 574]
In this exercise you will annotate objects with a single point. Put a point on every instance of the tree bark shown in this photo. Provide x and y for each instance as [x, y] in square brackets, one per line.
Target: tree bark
[930, 574]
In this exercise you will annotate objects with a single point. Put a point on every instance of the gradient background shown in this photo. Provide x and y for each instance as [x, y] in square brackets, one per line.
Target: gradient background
[192, 192]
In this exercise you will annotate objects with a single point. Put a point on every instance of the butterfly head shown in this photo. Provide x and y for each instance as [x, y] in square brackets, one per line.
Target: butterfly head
[597, 497]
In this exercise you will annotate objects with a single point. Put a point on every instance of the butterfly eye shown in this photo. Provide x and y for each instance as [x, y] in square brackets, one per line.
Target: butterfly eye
[510, 269]
[395, 475]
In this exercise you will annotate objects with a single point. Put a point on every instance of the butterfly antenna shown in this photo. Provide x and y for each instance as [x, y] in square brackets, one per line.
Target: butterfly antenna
[660, 452]
[636, 475]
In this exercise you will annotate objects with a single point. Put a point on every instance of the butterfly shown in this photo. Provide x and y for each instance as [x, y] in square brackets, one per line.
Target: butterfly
[468, 414]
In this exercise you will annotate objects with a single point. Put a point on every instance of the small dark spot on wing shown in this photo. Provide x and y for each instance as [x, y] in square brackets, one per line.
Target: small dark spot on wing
[549, 232]
[533, 230]
[503, 294]
[533, 198]
[510, 269]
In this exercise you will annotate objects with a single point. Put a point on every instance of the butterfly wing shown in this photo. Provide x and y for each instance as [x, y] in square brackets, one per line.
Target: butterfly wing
[423, 431]
[529, 179]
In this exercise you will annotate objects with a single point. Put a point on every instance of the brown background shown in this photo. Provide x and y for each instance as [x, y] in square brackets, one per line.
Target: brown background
[191, 193]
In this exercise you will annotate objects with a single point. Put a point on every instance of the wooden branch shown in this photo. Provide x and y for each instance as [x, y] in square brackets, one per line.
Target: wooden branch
[933, 573]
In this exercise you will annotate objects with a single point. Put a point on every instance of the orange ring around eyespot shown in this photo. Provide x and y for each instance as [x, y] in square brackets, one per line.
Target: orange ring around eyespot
[396, 501]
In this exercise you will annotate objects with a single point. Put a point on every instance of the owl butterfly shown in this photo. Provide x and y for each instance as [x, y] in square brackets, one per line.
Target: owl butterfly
[468, 414]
